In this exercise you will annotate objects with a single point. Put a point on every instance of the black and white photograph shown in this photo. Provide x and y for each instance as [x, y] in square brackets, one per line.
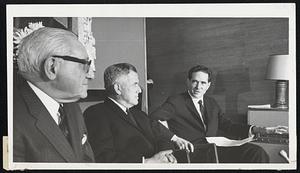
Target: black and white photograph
[151, 86]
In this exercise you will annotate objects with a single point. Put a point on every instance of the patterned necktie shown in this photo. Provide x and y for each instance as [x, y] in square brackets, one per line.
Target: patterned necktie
[202, 112]
[63, 122]
[131, 118]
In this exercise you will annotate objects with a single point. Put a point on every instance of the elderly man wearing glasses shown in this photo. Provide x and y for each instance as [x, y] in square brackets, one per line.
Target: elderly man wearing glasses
[52, 74]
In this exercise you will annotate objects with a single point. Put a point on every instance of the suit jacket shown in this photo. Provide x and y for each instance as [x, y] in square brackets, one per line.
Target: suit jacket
[116, 139]
[36, 136]
[184, 120]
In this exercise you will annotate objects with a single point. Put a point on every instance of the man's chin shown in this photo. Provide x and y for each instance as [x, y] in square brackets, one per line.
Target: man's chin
[135, 103]
[198, 96]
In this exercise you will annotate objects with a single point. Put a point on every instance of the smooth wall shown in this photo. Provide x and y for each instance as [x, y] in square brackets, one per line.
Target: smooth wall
[119, 40]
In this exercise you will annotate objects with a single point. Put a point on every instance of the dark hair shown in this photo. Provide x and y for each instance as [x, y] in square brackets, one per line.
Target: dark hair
[201, 68]
[113, 72]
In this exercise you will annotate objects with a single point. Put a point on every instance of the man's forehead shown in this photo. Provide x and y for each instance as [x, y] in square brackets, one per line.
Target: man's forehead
[199, 74]
[129, 77]
[77, 50]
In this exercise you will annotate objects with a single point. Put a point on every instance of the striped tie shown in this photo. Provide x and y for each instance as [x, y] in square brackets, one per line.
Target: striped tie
[63, 122]
[202, 112]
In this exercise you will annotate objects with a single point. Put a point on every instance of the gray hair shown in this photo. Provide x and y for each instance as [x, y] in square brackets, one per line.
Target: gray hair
[113, 72]
[35, 48]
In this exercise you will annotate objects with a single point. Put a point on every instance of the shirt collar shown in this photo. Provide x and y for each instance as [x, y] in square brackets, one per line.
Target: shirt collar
[51, 105]
[117, 103]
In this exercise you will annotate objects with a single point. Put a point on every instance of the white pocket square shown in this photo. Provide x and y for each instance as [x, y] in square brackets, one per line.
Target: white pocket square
[83, 139]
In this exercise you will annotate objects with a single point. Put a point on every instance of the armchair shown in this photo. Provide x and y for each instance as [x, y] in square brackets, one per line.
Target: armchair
[203, 153]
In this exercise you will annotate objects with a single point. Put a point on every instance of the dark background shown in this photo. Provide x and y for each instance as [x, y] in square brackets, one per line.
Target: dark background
[236, 49]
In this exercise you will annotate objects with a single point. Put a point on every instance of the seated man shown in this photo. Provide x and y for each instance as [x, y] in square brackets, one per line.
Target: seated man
[120, 134]
[194, 116]
[52, 75]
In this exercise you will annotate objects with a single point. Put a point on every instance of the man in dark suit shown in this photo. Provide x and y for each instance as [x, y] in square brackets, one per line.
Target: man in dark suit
[120, 133]
[195, 116]
[52, 74]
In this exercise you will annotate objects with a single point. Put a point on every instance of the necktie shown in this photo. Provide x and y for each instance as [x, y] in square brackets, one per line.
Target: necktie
[131, 118]
[63, 122]
[202, 112]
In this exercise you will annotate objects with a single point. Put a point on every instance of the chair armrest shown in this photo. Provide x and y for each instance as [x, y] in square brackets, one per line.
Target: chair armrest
[205, 153]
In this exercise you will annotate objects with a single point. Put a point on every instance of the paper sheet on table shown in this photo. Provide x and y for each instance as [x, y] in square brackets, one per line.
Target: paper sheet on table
[267, 106]
[225, 142]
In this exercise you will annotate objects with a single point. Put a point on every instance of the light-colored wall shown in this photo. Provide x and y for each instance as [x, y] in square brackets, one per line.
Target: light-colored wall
[119, 40]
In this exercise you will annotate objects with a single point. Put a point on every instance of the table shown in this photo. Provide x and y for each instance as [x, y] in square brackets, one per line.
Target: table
[271, 144]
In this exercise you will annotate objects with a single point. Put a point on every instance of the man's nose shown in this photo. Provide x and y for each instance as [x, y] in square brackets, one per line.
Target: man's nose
[198, 85]
[139, 89]
[89, 75]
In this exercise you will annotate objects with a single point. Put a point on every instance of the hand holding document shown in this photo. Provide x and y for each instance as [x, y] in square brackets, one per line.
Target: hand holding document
[277, 130]
[225, 142]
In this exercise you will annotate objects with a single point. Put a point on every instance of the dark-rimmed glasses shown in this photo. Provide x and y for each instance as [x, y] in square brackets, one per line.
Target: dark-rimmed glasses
[74, 59]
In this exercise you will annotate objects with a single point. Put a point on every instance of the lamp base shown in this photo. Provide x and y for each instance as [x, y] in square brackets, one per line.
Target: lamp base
[281, 95]
[279, 106]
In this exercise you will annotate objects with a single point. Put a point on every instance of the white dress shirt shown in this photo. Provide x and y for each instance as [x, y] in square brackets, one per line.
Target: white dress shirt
[51, 105]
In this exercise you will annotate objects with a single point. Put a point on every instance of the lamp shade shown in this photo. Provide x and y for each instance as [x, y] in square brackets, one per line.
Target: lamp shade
[278, 67]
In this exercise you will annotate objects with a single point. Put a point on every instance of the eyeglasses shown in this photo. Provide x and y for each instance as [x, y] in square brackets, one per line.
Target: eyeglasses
[74, 59]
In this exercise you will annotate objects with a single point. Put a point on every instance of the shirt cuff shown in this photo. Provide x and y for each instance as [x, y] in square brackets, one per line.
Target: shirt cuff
[143, 159]
[174, 138]
[250, 134]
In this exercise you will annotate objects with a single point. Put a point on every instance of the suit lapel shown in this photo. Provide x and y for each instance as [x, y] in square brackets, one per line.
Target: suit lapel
[190, 105]
[209, 109]
[120, 112]
[75, 133]
[145, 129]
[142, 125]
[46, 124]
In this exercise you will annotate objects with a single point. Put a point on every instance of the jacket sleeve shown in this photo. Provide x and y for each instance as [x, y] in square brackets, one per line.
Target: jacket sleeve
[102, 141]
[162, 136]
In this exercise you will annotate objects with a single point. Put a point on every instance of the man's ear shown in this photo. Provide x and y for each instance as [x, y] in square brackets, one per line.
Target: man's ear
[208, 85]
[51, 67]
[117, 88]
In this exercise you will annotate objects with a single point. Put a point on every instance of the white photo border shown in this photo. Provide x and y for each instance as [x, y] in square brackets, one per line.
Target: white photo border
[228, 10]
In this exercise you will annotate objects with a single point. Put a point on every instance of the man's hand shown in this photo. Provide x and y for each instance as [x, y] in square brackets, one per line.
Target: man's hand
[162, 157]
[277, 130]
[270, 130]
[183, 144]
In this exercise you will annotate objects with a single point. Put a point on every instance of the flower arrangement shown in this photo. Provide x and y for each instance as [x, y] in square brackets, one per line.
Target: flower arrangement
[85, 36]
[20, 34]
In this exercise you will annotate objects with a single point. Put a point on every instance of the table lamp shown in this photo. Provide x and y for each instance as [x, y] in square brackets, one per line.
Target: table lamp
[278, 69]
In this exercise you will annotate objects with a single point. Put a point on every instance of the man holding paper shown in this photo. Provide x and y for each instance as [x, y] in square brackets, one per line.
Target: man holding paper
[195, 116]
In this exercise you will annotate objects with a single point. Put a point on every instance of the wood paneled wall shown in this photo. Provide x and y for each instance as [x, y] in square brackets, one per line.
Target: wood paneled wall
[236, 49]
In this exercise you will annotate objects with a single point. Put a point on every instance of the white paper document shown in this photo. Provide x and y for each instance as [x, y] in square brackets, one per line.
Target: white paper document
[225, 142]
[267, 106]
